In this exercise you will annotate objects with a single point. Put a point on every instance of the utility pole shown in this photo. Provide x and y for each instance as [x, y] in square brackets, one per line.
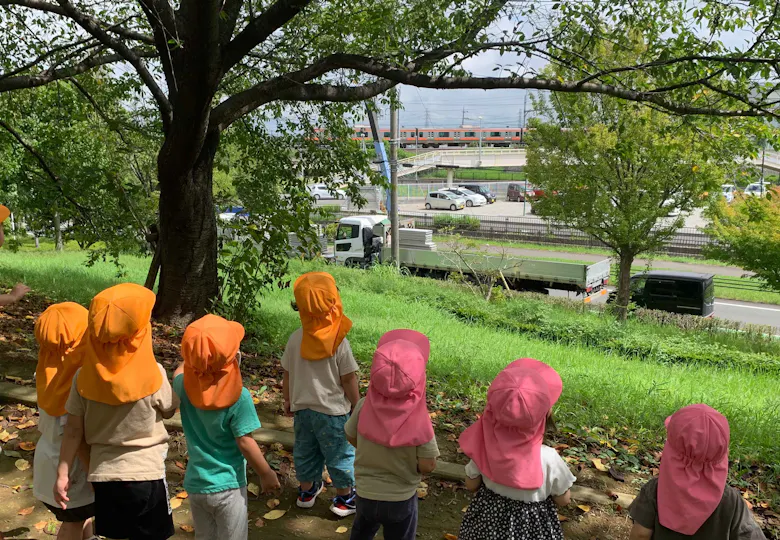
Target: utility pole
[394, 140]
[525, 109]
[480, 141]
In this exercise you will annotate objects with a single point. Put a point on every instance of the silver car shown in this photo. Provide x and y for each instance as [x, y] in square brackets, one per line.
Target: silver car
[444, 200]
[472, 199]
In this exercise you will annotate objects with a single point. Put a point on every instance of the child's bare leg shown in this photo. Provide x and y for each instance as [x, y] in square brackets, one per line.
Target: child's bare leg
[88, 531]
[344, 491]
[71, 531]
[306, 486]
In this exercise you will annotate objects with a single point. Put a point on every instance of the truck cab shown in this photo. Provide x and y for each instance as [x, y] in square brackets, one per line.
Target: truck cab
[677, 292]
[354, 236]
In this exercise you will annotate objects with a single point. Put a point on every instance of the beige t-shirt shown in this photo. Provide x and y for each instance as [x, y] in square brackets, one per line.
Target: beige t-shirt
[316, 384]
[129, 442]
[382, 473]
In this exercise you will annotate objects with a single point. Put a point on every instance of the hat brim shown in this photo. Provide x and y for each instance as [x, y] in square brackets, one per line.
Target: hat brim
[549, 375]
[418, 339]
[5, 213]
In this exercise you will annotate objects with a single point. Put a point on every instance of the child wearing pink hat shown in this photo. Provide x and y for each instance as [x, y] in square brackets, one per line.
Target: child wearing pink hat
[518, 480]
[394, 438]
[690, 499]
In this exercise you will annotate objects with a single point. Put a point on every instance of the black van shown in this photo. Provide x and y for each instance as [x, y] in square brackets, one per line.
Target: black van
[676, 292]
[482, 190]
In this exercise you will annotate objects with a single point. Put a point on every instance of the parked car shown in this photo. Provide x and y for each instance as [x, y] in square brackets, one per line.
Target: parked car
[444, 200]
[757, 189]
[321, 191]
[481, 190]
[676, 292]
[472, 199]
[232, 212]
[519, 192]
[728, 190]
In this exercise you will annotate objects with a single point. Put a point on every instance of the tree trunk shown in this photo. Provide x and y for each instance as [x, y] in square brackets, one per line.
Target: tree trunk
[624, 285]
[188, 235]
[57, 232]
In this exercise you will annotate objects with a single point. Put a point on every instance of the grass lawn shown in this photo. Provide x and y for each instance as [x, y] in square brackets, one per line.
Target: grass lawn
[600, 388]
[485, 175]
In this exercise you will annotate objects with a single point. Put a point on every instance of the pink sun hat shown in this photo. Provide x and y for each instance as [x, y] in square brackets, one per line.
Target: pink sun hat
[506, 442]
[395, 413]
[694, 467]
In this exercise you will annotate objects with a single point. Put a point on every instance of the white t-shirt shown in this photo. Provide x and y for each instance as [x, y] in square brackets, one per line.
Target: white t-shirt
[316, 384]
[47, 457]
[558, 479]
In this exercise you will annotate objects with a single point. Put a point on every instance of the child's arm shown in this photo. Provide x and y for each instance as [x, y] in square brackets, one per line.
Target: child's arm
[472, 484]
[426, 465]
[563, 500]
[350, 384]
[71, 441]
[286, 391]
[638, 532]
[15, 295]
[252, 453]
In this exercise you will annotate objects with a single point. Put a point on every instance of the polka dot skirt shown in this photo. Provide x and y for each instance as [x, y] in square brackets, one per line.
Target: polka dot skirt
[491, 516]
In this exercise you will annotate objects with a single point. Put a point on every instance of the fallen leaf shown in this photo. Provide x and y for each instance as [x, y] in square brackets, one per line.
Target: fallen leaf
[27, 425]
[12, 453]
[599, 465]
[273, 503]
[422, 493]
[256, 400]
[655, 471]
[175, 503]
[616, 475]
[26, 511]
[274, 514]
[5, 436]
[40, 525]
[584, 507]
[259, 523]
[253, 489]
[52, 528]
[180, 465]
[187, 528]
[22, 464]
[464, 509]
[449, 536]
[182, 495]
[342, 530]
[562, 518]
[27, 446]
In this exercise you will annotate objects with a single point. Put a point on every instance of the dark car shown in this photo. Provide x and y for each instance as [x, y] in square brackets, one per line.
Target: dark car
[676, 292]
[482, 190]
[520, 191]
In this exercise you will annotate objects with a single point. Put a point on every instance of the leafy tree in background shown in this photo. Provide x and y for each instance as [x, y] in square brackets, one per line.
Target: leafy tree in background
[625, 173]
[202, 66]
[746, 233]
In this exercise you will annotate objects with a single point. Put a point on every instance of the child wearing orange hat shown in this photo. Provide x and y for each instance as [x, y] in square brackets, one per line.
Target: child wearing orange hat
[321, 389]
[117, 403]
[20, 289]
[690, 499]
[59, 331]
[219, 417]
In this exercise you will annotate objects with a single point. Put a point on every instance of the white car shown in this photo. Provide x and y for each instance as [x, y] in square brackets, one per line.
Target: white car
[444, 200]
[757, 189]
[321, 191]
[472, 199]
[728, 191]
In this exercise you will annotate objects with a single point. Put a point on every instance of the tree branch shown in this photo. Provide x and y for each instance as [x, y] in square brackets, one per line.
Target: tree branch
[48, 7]
[40, 58]
[93, 28]
[41, 79]
[163, 23]
[259, 29]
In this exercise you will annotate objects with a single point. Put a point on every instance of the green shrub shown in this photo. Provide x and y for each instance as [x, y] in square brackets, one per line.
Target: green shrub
[330, 231]
[456, 223]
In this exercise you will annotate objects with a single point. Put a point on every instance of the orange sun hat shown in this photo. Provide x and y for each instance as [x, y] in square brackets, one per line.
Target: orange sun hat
[212, 378]
[4, 213]
[322, 315]
[119, 364]
[59, 331]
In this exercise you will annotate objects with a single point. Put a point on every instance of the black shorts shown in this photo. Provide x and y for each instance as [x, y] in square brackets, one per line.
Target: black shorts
[72, 515]
[133, 510]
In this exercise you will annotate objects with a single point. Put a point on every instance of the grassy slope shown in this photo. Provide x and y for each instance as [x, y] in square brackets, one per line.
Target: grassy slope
[600, 389]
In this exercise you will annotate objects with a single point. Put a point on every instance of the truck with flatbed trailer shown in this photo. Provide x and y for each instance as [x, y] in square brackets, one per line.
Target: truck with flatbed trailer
[365, 240]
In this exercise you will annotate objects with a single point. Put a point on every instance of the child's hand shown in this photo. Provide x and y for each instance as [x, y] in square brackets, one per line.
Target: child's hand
[287, 407]
[19, 290]
[61, 487]
[269, 481]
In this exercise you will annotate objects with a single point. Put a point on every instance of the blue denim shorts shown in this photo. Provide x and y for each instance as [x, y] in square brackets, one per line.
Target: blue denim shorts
[320, 440]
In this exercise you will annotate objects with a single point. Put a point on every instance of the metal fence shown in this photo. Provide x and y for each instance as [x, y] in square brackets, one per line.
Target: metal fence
[687, 241]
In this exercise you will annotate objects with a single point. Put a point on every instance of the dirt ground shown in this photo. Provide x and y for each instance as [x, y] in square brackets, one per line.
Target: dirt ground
[21, 516]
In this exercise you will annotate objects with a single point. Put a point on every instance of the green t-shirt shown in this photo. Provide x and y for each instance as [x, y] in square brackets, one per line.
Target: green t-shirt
[216, 464]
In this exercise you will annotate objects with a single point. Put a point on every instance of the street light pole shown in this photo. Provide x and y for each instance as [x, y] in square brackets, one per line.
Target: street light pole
[394, 140]
[480, 141]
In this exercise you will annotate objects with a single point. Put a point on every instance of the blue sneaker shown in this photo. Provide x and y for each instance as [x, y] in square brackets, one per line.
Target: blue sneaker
[306, 499]
[344, 505]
